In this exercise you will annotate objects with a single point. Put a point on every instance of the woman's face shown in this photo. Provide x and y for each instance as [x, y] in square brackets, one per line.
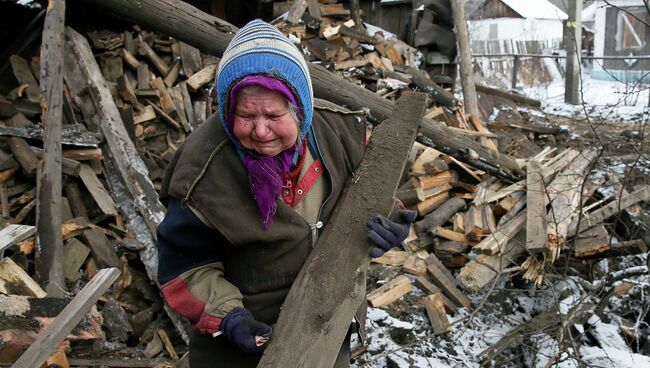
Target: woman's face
[262, 122]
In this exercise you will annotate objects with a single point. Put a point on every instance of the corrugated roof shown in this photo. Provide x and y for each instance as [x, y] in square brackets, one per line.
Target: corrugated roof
[540, 9]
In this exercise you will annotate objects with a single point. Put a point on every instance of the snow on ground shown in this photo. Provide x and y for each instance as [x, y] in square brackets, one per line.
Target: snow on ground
[610, 100]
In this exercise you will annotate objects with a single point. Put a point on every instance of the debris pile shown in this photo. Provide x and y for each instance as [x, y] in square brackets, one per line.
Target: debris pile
[131, 98]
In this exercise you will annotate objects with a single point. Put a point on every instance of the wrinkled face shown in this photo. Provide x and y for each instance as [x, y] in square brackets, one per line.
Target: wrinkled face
[262, 122]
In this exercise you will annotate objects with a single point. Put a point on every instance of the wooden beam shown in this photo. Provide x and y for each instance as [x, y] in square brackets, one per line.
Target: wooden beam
[49, 261]
[212, 35]
[47, 342]
[536, 238]
[323, 315]
[610, 209]
[436, 311]
[390, 291]
[123, 154]
[446, 281]
[510, 96]
[13, 234]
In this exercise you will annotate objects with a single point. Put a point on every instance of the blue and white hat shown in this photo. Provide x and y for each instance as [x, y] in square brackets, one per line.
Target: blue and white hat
[258, 48]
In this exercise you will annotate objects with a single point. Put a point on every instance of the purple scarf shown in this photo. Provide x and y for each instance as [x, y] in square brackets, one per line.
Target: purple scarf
[265, 172]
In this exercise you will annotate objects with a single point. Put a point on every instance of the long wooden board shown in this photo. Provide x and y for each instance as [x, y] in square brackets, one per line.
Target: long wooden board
[323, 314]
[47, 342]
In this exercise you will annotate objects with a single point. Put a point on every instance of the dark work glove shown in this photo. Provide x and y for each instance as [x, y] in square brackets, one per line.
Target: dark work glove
[386, 234]
[240, 327]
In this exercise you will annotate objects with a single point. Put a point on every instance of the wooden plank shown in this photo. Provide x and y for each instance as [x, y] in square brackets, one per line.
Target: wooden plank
[323, 315]
[436, 311]
[428, 155]
[25, 77]
[452, 235]
[75, 253]
[97, 190]
[565, 192]
[19, 146]
[129, 59]
[166, 101]
[47, 342]
[13, 234]
[446, 281]
[202, 77]
[549, 170]
[157, 62]
[536, 237]
[510, 96]
[430, 181]
[14, 280]
[480, 272]
[430, 204]
[503, 234]
[415, 265]
[103, 250]
[174, 71]
[191, 59]
[147, 113]
[390, 291]
[611, 209]
[392, 258]
[187, 102]
[49, 261]
[177, 98]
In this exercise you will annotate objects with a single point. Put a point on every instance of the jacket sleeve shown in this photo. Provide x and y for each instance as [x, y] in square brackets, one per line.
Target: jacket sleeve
[190, 269]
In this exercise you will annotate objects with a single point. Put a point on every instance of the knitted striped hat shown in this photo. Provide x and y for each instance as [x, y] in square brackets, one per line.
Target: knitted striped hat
[258, 48]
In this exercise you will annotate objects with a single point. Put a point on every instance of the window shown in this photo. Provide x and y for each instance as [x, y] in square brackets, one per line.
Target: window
[630, 31]
[494, 31]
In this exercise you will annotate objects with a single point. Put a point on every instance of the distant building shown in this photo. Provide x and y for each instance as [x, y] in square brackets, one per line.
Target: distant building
[620, 29]
[517, 20]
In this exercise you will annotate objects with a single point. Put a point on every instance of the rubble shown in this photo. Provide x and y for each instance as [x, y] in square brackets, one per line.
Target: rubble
[131, 98]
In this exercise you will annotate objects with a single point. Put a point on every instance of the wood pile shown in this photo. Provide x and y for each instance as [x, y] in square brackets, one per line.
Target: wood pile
[131, 98]
[382, 63]
[158, 87]
[473, 227]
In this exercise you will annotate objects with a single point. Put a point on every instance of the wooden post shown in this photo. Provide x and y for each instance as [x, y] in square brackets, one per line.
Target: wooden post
[49, 261]
[466, 66]
[573, 46]
[212, 35]
[314, 319]
[515, 71]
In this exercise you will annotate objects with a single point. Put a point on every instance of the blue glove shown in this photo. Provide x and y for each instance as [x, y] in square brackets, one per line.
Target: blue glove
[240, 327]
[386, 234]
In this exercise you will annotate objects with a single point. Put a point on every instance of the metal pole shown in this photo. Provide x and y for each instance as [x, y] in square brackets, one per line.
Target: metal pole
[573, 46]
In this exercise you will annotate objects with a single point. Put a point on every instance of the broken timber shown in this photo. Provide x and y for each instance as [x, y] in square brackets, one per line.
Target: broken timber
[49, 261]
[212, 35]
[323, 315]
[47, 342]
[127, 159]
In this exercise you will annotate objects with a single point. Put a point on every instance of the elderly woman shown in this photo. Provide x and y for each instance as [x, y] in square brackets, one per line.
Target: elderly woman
[247, 195]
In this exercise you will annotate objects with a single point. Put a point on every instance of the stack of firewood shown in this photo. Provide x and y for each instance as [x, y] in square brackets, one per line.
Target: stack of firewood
[380, 62]
[475, 225]
[160, 88]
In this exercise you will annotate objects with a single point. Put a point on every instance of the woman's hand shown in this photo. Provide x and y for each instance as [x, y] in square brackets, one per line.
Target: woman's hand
[240, 327]
[387, 233]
